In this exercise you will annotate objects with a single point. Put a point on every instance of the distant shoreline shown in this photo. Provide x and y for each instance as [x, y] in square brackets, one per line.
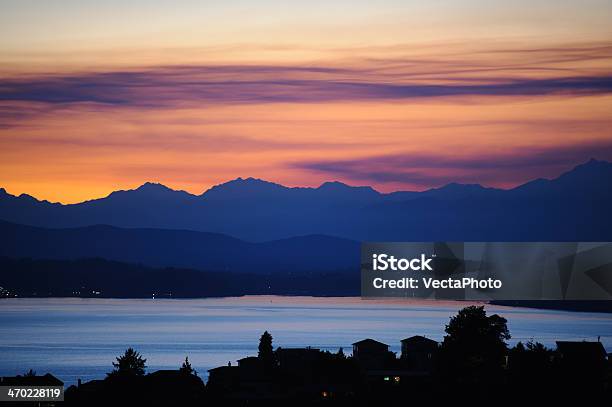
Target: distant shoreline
[554, 305]
[559, 305]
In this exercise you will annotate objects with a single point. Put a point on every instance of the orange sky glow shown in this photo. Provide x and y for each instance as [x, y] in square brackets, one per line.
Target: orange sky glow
[366, 97]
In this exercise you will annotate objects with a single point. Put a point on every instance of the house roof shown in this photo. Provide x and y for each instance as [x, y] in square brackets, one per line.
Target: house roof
[96, 382]
[89, 387]
[298, 350]
[45, 380]
[165, 372]
[418, 338]
[248, 359]
[584, 347]
[369, 341]
[222, 368]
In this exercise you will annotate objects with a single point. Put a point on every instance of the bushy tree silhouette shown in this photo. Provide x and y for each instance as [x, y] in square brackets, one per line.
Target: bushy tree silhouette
[130, 364]
[475, 345]
[186, 368]
[266, 351]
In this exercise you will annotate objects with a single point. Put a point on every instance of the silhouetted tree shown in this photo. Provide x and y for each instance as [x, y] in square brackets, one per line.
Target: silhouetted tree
[341, 354]
[131, 363]
[475, 345]
[186, 368]
[266, 351]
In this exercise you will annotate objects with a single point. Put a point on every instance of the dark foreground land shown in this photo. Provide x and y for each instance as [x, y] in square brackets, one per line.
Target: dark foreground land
[472, 364]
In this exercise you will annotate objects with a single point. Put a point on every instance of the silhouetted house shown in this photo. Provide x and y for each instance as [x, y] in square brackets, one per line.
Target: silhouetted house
[582, 363]
[160, 388]
[369, 347]
[249, 369]
[175, 386]
[419, 353]
[223, 378]
[90, 386]
[301, 371]
[297, 360]
[18, 381]
[45, 380]
[90, 392]
[247, 381]
[250, 362]
[584, 352]
[175, 378]
[371, 354]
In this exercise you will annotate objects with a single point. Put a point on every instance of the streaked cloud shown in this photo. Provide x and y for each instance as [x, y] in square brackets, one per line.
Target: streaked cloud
[170, 86]
[487, 167]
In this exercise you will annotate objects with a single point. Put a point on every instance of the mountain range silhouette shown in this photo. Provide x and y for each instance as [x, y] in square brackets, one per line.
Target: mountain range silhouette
[574, 206]
[179, 248]
[289, 236]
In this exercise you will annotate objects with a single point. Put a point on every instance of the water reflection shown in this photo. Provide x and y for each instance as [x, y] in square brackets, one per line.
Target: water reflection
[80, 337]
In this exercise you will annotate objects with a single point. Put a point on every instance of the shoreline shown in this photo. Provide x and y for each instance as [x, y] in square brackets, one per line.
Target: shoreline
[603, 307]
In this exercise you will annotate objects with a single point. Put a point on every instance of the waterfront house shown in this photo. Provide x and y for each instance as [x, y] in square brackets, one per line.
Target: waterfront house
[419, 353]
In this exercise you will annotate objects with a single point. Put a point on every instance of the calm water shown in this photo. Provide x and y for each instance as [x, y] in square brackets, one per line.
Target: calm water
[75, 338]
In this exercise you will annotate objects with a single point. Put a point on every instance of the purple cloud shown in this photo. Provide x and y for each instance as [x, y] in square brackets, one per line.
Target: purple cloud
[426, 170]
[165, 86]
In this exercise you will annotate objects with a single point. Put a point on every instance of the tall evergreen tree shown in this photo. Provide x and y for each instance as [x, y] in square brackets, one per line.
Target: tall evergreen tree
[187, 369]
[131, 363]
[266, 351]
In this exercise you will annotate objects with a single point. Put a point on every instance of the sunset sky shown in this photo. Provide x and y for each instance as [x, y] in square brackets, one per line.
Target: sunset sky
[98, 96]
